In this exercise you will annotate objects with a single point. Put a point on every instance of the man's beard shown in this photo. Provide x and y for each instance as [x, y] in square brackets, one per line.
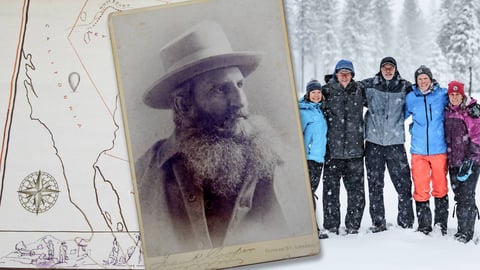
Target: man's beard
[220, 163]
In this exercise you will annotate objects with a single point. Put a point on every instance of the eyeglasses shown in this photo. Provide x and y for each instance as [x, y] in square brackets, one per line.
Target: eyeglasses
[388, 68]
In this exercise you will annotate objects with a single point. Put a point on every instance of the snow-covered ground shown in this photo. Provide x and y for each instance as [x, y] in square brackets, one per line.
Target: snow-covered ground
[393, 249]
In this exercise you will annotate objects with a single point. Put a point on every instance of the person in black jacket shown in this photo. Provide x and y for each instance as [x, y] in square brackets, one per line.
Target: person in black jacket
[343, 108]
[384, 144]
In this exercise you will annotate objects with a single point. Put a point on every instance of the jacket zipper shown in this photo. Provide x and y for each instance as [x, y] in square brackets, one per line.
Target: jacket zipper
[428, 122]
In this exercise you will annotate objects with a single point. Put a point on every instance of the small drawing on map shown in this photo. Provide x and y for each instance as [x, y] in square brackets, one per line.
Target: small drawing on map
[74, 80]
[38, 192]
[51, 252]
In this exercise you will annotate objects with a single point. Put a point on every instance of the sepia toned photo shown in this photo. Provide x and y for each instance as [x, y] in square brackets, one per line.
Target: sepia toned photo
[215, 146]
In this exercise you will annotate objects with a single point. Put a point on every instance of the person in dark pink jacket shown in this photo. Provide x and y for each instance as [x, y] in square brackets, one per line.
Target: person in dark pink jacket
[462, 133]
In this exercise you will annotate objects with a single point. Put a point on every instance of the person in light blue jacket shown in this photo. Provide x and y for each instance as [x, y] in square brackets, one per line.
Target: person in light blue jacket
[314, 128]
[426, 104]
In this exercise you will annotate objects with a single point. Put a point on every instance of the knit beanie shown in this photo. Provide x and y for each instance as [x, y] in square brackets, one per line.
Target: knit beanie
[456, 86]
[313, 85]
[423, 70]
[388, 60]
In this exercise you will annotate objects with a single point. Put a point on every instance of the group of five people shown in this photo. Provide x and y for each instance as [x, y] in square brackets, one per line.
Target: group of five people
[445, 137]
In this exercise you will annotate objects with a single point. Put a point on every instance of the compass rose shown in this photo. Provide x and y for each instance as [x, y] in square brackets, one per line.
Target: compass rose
[38, 192]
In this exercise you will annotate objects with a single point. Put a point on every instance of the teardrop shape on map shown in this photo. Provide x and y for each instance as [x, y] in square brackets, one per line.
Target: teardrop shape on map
[74, 80]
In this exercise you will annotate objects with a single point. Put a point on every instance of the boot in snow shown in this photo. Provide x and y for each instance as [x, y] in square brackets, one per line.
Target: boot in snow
[441, 213]
[424, 216]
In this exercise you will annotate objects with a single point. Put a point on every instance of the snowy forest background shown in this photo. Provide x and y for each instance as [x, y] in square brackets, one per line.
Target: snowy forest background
[445, 36]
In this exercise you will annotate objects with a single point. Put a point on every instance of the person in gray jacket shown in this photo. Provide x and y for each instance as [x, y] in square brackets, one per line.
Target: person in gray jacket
[384, 144]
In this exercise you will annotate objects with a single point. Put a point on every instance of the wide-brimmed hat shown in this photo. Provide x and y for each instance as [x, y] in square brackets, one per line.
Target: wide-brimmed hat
[202, 48]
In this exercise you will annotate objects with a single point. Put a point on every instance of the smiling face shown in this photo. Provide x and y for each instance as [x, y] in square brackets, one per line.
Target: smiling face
[388, 71]
[455, 98]
[423, 82]
[315, 96]
[344, 77]
[219, 99]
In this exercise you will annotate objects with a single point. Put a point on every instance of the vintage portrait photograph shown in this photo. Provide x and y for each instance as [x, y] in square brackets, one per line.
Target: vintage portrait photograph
[215, 145]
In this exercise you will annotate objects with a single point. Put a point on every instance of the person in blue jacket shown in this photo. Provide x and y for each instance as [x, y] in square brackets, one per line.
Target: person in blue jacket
[314, 128]
[426, 104]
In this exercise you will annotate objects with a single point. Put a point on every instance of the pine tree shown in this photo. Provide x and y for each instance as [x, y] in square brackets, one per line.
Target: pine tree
[459, 38]
[441, 70]
[302, 24]
[384, 27]
[412, 42]
[328, 42]
[356, 36]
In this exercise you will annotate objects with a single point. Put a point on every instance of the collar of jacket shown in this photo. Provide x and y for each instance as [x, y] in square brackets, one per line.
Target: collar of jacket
[419, 92]
[307, 105]
[379, 80]
[454, 108]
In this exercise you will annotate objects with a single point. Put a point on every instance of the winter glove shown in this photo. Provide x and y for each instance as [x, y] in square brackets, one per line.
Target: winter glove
[465, 170]
[474, 110]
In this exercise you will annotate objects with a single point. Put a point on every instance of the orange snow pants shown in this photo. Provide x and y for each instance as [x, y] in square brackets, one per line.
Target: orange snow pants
[429, 173]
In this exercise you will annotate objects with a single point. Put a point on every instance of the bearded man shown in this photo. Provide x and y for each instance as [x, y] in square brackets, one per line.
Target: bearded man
[210, 183]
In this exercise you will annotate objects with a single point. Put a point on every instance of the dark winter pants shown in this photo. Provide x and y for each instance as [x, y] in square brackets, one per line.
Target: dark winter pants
[466, 209]
[351, 170]
[315, 172]
[395, 159]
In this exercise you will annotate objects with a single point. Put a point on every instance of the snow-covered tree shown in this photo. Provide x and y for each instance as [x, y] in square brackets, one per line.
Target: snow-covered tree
[383, 41]
[292, 12]
[459, 38]
[439, 65]
[328, 44]
[357, 37]
[303, 28]
[412, 42]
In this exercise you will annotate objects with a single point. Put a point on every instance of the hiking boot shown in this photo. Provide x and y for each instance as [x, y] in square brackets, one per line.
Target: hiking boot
[322, 234]
[425, 230]
[406, 226]
[442, 228]
[424, 216]
[460, 237]
[333, 230]
[377, 229]
[351, 231]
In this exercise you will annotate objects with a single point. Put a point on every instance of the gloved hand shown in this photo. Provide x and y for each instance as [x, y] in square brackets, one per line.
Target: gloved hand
[465, 170]
[474, 110]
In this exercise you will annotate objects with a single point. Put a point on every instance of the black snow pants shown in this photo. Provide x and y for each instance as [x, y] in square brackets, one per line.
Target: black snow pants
[315, 173]
[395, 159]
[352, 173]
[465, 209]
